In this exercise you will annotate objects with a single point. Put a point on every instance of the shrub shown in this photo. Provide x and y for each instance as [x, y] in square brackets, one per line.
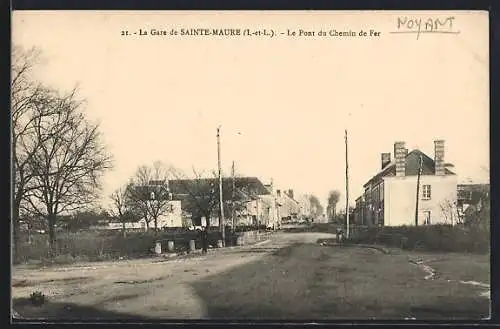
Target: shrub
[37, 298]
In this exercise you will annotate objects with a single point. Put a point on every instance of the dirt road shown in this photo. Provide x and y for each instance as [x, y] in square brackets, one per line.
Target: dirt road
[290, 276]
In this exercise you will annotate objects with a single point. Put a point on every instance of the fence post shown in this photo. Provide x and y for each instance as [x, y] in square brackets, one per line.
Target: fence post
[192, 246]
[158, 247]
[170, 245]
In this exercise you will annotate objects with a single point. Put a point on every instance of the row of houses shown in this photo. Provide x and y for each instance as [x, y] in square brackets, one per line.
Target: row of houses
[259, 204]
[390, 195]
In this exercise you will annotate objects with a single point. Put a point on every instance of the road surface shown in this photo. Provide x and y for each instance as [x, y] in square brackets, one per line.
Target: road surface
[288, 277]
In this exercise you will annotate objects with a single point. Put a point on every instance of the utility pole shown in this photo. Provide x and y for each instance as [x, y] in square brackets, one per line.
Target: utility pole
[232, 196]
[418, 190]
[221, 201]
[346, 186]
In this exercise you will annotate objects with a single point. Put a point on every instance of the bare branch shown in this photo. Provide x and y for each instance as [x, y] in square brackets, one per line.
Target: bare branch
[148, 191]
[69, 160]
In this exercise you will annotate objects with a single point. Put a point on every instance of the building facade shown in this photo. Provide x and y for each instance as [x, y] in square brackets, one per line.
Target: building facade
[171, 217]
[390, 196]
[472, 197]
[201, 196]
[288, 207]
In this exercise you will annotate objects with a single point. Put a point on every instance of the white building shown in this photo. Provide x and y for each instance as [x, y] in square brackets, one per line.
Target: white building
[390, 197]
[171, 218]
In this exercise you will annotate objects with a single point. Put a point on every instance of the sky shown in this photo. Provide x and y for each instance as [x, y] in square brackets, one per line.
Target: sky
[283, 103]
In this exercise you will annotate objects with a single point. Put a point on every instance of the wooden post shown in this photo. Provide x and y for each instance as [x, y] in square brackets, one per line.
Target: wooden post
[221, 201]
[346, 186]
[232, 197]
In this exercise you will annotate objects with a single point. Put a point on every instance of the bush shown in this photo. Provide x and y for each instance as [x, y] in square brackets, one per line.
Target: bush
[37, 298]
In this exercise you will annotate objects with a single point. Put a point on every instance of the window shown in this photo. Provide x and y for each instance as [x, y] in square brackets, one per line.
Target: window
[427, 217]
[426, 192]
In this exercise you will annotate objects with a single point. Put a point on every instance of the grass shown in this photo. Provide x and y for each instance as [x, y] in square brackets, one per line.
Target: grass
[458, 266]
[313, 282]
[91, 246]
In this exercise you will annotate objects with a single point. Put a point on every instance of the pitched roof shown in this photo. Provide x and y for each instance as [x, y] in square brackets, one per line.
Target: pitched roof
[412, 162]
[252, 185]
[289, 197]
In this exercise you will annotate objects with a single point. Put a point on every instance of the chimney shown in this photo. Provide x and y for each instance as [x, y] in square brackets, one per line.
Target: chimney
[400, 157]
[290, 193]
[386, 159]
[439, 157]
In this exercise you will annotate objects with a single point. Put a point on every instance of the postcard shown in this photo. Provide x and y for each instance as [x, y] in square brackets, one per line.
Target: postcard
[277, 165]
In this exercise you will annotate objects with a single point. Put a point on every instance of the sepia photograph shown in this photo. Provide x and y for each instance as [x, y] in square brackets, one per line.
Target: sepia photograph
[250, 165]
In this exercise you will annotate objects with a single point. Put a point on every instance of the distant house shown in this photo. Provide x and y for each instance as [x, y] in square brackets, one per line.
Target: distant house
[278, 206]
[289, 208]
[359, 211]
[472, 196]
[248, 191]
[389, 197]
[171, 218]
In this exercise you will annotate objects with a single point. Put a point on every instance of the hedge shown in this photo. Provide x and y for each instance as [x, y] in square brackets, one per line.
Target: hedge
[429, 238]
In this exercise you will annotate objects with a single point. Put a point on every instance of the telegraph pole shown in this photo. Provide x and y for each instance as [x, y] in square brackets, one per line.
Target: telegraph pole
[346, 186]
[232, 196]
[221, 201]
[418, 190]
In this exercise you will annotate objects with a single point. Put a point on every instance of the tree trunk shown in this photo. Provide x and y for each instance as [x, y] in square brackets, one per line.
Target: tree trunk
[207, 219]
[124, 230]
[156, 224]
[16, 234]
[334, 212]
[52, 233]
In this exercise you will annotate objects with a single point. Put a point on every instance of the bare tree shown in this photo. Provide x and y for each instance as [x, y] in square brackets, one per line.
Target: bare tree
[122, 208]
[68, 162]
[316, 207]
[31, 105]
[149, 192]
[333, 199]
[201, 193]
[450, 211]
[24, 93]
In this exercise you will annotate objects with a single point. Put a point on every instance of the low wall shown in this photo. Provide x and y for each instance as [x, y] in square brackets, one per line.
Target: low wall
[251, 237]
